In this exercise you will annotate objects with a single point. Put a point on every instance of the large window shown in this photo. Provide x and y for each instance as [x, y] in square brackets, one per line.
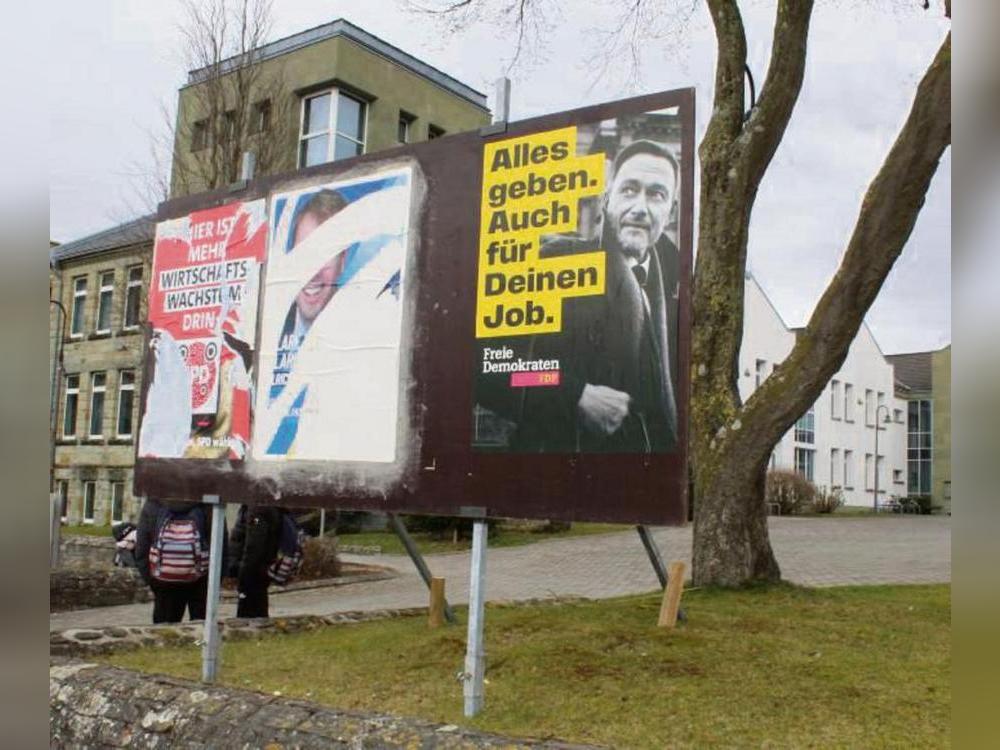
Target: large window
[333, 127]
[79, 305]
[805, 428]
[848, 470]
[869, 407]
[71, 405]
[126, 397]
[919, 447]
[869, 472]
[804, 462]
[433, 131]
[404, 126]
[107, 292]
[848, 402]
[98, 385]
[260, 120]
[117, 502]
[199, 135]
[835, 399]
[133, 296]
[834, 467]
[89, 499]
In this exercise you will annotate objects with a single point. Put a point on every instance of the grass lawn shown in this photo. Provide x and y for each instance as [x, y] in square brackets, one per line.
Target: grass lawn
[777, 667]
[508, 537]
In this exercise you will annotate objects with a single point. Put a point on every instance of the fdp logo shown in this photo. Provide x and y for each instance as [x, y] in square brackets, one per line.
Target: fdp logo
[202, 359]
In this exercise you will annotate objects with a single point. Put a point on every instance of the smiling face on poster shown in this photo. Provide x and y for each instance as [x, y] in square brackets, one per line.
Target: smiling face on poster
[329, 384]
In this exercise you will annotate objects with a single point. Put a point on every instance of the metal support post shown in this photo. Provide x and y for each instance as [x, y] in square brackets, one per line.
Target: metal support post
[657, 562]
[210, 641]
[418, 560]
[475, 656]
[654, 554]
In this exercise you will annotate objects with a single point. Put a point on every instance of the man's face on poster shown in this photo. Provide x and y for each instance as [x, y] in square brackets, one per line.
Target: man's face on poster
[639, 202]
[315, 295]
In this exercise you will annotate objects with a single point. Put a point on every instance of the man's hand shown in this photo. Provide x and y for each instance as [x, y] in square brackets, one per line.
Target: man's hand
[602, 409]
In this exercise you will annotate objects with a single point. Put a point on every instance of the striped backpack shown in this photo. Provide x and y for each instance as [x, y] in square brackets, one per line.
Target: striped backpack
[177, 554]
[290, 551]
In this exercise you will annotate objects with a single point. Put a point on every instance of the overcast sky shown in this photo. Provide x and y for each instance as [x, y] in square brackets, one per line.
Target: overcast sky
[113, 63]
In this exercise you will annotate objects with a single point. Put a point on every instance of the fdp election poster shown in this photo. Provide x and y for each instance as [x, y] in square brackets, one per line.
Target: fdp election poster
[577, 289]
[202, 309]
[330, 338]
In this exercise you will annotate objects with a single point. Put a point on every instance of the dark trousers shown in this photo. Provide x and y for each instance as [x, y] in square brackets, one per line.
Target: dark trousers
[253, 597]
[171, 599]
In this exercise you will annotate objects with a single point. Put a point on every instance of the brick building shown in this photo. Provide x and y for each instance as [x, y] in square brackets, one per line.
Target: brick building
[343, 92]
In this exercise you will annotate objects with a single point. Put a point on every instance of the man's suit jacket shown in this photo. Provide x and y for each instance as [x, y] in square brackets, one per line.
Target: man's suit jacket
[602, 344]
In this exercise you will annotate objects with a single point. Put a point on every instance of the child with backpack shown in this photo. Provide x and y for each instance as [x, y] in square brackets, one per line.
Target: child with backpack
[171, 553]
[266, 547]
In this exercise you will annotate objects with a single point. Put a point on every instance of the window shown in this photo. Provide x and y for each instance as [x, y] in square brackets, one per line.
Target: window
[403, 128]
[126, 396]
[433, 131]
[333, 127]
[848, 402]
[869, 475]
[834, 467]
[106, 293]
[897, 476]
[133, 296]
[79, 303]
[869, 407]
[71, 405]
[64, 500]
[835, 399]
[760, 368]
[879, 471]
[117, 502]
[199, 135]
[260, 120]
[919, 447]
[848, 470]
[98, 385]
[804, 459]
[805, 428]
[89, 497]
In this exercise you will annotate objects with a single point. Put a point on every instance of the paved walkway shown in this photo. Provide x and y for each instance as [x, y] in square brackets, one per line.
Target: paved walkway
[811, 551]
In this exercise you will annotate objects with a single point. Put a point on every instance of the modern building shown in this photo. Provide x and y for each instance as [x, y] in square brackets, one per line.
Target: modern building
[834, 443]
[923, 381]
[331, 92]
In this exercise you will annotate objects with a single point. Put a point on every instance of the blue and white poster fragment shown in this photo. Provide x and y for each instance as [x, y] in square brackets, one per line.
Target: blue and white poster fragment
[329, 367]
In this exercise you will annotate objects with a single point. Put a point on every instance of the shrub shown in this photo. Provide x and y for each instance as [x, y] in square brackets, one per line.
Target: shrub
[320, 559]
[791, 492]
[923, 502]
[827, 501]
[447, 527]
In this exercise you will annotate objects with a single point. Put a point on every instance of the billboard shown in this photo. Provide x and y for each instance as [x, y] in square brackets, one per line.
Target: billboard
[496, 321]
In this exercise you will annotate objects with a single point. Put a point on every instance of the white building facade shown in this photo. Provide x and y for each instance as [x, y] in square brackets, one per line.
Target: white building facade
[833, 444]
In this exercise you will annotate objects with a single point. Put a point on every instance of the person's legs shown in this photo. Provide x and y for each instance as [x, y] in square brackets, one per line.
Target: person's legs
[168, 603]
[253, 598]
[197, 599]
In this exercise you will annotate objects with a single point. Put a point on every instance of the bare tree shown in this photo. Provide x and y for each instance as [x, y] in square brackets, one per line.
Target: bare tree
[731, 441]
[233, 101]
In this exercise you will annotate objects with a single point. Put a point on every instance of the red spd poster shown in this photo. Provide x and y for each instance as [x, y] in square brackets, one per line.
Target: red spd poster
[202, 308]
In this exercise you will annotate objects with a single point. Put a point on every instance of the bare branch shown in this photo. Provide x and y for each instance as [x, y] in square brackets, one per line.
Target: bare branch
[769, 119]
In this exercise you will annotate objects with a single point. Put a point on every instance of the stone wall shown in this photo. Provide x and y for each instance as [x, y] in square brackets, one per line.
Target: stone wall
[86, 552]
[80, 589]
[96, 706]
